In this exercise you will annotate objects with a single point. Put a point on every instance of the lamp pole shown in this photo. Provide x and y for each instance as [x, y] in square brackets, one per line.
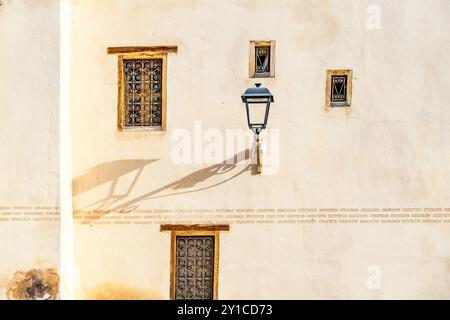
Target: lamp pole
[258, 153]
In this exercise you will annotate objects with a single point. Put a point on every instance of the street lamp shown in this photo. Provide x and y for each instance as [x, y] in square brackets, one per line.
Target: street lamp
[257, 105]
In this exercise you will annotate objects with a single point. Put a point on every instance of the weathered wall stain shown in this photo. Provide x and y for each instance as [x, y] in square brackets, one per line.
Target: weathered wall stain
[317, 25]
[112, 291]
[36, 284]
[135, 7]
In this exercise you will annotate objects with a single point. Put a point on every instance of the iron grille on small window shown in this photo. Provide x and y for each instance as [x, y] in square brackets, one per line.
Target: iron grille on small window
[194, 277]
[142, 90]
[338, 90]
[262, 60]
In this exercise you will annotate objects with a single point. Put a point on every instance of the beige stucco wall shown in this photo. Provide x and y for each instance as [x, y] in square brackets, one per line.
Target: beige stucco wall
[385, 161]
[284, 261]
[390, 150]
[29, 91]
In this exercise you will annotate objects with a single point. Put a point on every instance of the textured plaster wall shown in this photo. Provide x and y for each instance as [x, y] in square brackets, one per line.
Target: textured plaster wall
[334, 262]
[29, 63]
[29, 69]
[273, 262]
[391, 150]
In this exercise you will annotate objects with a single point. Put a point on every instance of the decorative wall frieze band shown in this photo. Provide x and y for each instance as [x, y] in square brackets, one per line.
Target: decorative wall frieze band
[230, 216]
[266, 215]
[17, 213]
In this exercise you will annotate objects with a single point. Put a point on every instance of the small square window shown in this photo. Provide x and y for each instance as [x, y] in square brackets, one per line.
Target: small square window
[339, 88]
[262, 59]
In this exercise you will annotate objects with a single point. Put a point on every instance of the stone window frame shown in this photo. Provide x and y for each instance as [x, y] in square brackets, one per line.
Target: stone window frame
[141, 52]
[252, 63]
[339, 72]
[121, 104]
[194, 230]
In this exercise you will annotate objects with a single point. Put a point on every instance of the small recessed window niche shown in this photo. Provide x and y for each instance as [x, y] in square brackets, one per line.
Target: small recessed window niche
[339, 88]
[262, 59]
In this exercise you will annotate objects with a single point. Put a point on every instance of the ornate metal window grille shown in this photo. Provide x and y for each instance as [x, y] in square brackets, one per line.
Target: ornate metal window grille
[194, 275]
[339, 90]
[262, 60]
[142, 92]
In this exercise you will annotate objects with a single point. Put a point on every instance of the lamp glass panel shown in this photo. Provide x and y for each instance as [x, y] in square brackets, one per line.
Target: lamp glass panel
[257, 112]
